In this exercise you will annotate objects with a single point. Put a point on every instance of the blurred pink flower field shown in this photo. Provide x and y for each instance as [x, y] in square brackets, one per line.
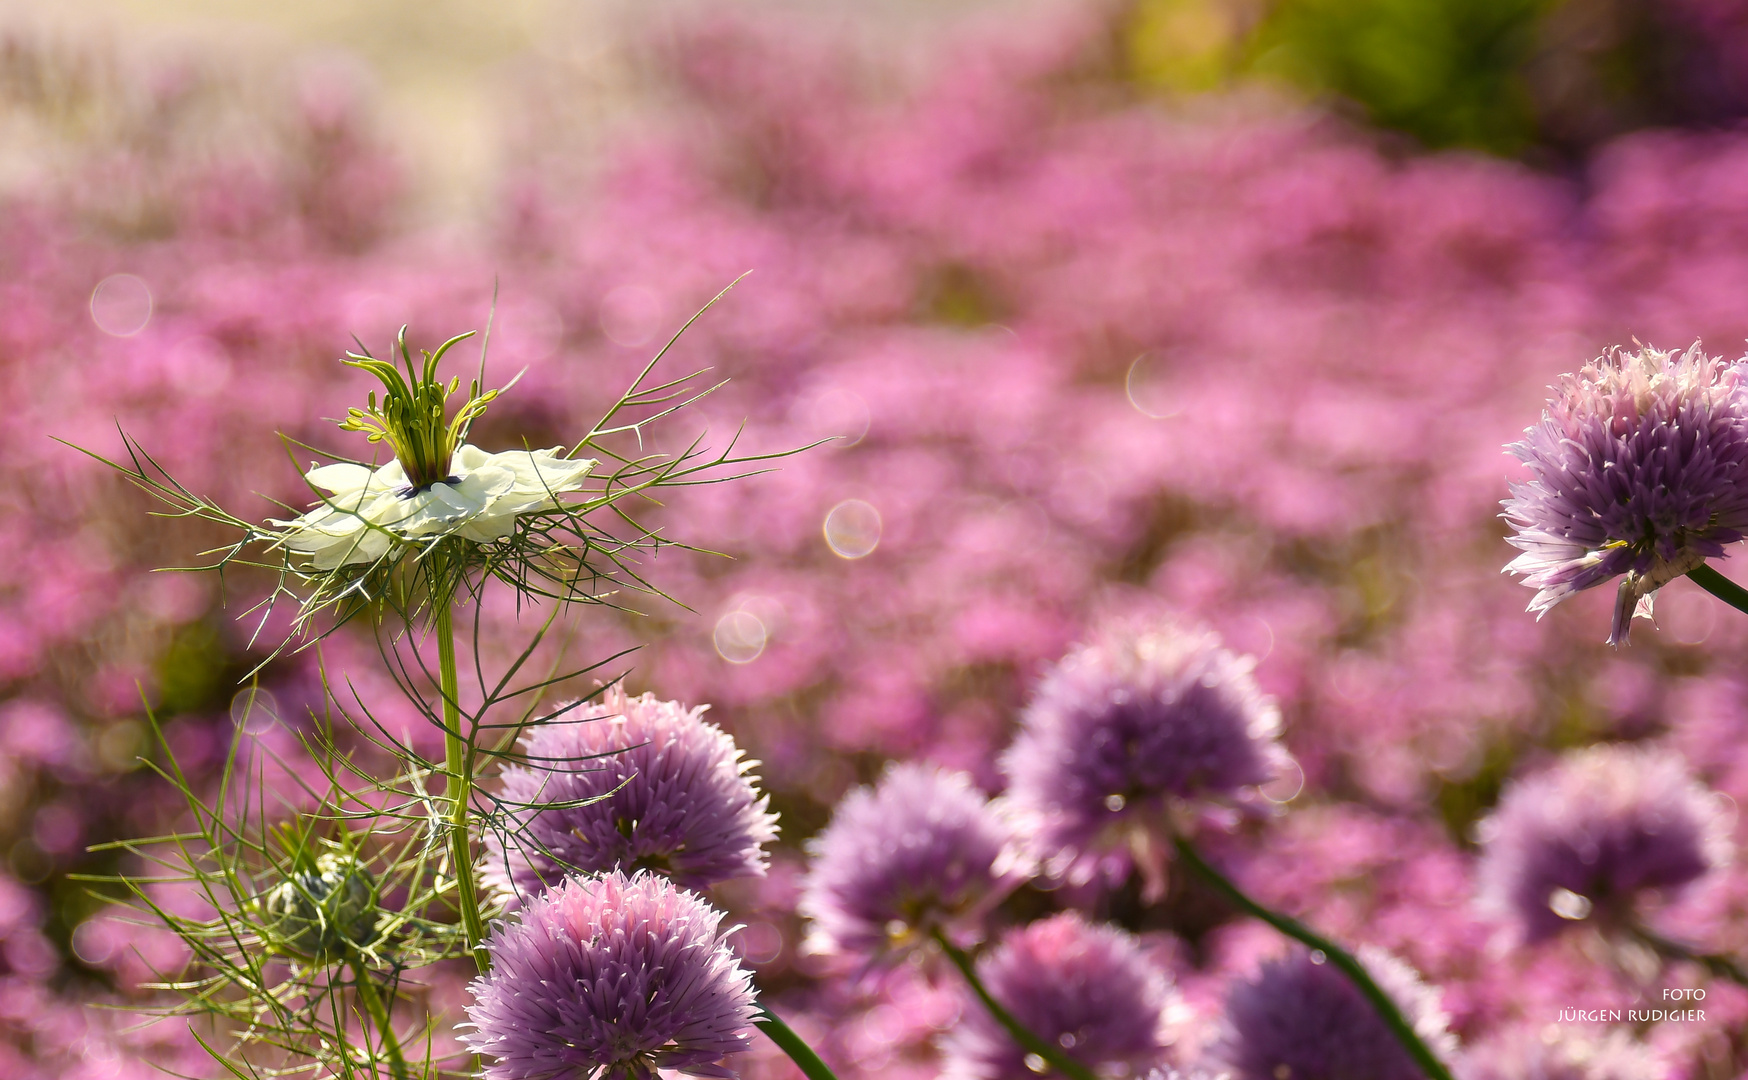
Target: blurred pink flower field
[1081, 355]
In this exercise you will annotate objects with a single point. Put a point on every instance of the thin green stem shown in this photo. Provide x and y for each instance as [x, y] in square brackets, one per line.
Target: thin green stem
[1720, 586]
[379, 1014]
[1340, 957]
[1718, 964]
[793, 1045]
[458, 761]
[1025, 1036]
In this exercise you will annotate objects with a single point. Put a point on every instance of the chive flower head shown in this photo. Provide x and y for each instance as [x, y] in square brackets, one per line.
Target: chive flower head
[1302, 1017]
[610, 978]
[1580, 842]
[1088, 988]
[1146, 720]
[628, 783]
[1639, 470]
[920, 851]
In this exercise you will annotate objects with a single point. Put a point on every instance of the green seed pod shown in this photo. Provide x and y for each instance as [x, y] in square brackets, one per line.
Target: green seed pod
[323, 915]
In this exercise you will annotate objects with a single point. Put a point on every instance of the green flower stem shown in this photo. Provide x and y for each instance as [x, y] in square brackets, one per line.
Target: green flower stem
[1720, 586]
[793, 1045]
[1340, 957]
[1022, 1034]
[1718, 964]
[458, 760]
[379, 1014]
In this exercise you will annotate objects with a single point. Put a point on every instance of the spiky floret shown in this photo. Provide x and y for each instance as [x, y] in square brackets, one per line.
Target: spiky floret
[1639, 467]
[923, 850]
[628, 783]
[1086, 988]
[1301, 1017]
[610, 978]
[1581, 841]
[1144, 720]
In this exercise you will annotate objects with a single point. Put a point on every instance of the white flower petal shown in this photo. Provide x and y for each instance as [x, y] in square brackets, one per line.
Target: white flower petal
[540, 475]
[467, 458]
[429, 518]
[485, 529]
[340, 477]
[335, 539]
[490, 491]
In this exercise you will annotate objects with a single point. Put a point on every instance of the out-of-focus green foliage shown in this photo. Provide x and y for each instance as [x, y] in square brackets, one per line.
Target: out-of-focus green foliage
[197, 671]
[1448, 72]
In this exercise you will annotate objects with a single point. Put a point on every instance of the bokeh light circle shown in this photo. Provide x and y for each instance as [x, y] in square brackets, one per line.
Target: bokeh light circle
[1148, 387]
[1289, 780]
[121, 305]
[630, 315]
[92, 943]
[254, 709]
[739, 637]
[1686, 614]
[852, 529]
[758, 942]
[841, 415]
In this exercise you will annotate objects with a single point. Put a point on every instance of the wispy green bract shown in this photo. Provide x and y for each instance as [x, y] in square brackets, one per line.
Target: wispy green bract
[306, 924]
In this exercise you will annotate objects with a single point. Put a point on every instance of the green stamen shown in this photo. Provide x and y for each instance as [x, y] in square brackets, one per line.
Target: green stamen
[412, 417]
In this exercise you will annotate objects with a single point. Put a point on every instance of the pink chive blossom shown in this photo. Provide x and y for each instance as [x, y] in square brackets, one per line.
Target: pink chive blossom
[627, 783]
[612, 978]
[1581, 841]
[922, 850]
[1125, 731]
[1301, 1017]
[1638, 469]
[1089, 989]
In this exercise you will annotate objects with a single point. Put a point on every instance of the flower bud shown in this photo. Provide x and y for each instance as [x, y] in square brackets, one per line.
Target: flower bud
[324, 914]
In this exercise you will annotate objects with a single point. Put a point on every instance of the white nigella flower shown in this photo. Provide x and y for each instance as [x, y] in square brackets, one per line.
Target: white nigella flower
[480, 498]
[438, 485]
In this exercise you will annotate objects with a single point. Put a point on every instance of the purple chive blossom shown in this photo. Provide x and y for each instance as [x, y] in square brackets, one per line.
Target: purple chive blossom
[672, 795]
[1580, 841]
[1638, 469]
[1088, 989]
[1120, 731]
[610, 978]
[1559, 1053]
[1302, 1018]
[922, 850]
